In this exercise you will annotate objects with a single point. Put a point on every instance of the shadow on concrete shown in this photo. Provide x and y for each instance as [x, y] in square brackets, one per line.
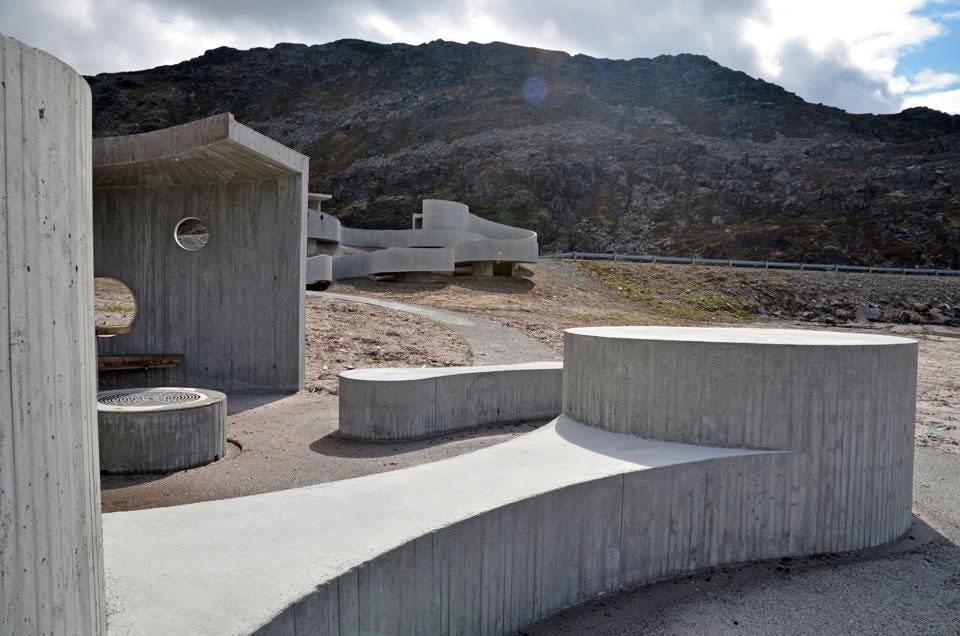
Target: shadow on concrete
[113, 482]
[240, 402]
[335, 445]
[910, 585]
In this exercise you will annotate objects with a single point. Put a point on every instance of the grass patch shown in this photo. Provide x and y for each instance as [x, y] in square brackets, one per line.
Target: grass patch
[115, 308]
[674, 294]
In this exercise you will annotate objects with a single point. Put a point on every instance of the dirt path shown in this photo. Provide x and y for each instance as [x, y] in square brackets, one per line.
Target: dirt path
[490, 342]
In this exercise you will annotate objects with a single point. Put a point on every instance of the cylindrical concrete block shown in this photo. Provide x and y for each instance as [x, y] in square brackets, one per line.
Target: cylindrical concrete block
[160, 430]
[844, 401]
[51, 562]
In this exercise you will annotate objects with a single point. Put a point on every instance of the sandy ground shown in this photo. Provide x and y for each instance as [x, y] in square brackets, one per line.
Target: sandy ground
[287, 441]
[343, 335]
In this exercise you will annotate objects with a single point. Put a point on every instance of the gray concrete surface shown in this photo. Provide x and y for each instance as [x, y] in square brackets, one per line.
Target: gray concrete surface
[235, 308]
[490, 342]
[845, 402]
[144, 431]
[555, 492]
[394, 404]
[909, 586]
[51, 568]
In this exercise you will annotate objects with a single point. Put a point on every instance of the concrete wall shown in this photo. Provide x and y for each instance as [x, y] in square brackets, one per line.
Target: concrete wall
[450, 236]
[234, 308]
[393, 404]
[845, 402]
[393, 260]
[51, 564]
[497, 572]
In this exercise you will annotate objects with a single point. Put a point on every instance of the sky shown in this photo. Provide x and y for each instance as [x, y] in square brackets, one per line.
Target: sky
[877, 56]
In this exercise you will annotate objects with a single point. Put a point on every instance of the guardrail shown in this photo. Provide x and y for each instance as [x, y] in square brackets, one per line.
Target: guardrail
[732, 262]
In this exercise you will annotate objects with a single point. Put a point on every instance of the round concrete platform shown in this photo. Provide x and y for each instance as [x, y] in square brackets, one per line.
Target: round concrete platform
[160, 430]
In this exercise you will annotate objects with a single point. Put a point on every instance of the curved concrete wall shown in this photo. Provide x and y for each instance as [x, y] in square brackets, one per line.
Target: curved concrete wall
[51, 569]
[495, 539]
[394, 404]
[845, 402]
[162, 439]
[450, 236]
[319, 267]
[322, 227]
[393, 260]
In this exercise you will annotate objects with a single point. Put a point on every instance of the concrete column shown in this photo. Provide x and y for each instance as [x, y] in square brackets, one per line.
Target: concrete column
[482, 269]
[51, 561]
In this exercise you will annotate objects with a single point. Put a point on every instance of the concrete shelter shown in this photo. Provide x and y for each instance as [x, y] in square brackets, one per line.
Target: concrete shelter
[227, 295]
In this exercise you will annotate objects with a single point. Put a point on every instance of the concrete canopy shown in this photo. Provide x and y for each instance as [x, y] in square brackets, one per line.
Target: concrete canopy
[234, 306]
[205, 151]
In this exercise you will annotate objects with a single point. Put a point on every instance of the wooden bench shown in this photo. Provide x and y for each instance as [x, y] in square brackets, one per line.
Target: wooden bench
[140, 362]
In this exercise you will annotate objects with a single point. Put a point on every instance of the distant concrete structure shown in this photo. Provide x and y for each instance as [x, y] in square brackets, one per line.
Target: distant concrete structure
[160, 430]
[396, 404]
[51, 562]
[797, 443]
[206, 224]
[445, 235]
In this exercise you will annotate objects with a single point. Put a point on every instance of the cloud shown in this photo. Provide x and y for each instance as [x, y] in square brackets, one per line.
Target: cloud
[947, 101]
[840, 53]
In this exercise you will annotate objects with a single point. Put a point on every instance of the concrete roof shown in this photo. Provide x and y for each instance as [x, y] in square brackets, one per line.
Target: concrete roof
[208, 150]
[229, 566]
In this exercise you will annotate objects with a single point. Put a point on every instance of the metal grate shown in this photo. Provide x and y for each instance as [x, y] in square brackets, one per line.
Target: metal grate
[152, 397]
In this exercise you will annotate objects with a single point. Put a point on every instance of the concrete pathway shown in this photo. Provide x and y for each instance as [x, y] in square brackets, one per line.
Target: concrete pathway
[230, 566]
[490, 342]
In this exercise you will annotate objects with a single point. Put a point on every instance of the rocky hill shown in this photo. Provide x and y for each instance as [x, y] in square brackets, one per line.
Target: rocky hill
[670, 155]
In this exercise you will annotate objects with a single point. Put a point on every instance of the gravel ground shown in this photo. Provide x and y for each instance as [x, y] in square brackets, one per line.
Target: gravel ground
[344, 335]
[491, 343]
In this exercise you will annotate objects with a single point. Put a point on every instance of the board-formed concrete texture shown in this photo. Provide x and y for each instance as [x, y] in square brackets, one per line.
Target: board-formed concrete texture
[490, 541]
[844, 402]
[160, 430]
[233, 308]
[323, 238]
[51, 567]
[447, 235]
[395, 404]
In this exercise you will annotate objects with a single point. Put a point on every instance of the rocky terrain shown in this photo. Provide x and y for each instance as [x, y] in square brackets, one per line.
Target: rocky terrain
[670, 155]
[826, 297]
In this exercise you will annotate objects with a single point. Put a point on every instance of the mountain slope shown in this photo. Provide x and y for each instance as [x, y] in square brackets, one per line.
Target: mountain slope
[674, 154]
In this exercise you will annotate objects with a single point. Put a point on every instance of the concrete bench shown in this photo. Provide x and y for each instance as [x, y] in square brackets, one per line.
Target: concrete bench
[395, 404]
[138, 362]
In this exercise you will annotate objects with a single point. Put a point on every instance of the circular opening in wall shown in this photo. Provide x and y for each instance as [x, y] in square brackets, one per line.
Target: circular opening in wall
[114, 306]
[192, 234]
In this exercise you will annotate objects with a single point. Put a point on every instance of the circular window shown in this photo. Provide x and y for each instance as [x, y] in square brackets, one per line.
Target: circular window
[192, 234]
[114, 306]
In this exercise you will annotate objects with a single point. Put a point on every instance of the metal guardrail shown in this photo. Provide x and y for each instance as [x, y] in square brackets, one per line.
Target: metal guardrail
[731, 262]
